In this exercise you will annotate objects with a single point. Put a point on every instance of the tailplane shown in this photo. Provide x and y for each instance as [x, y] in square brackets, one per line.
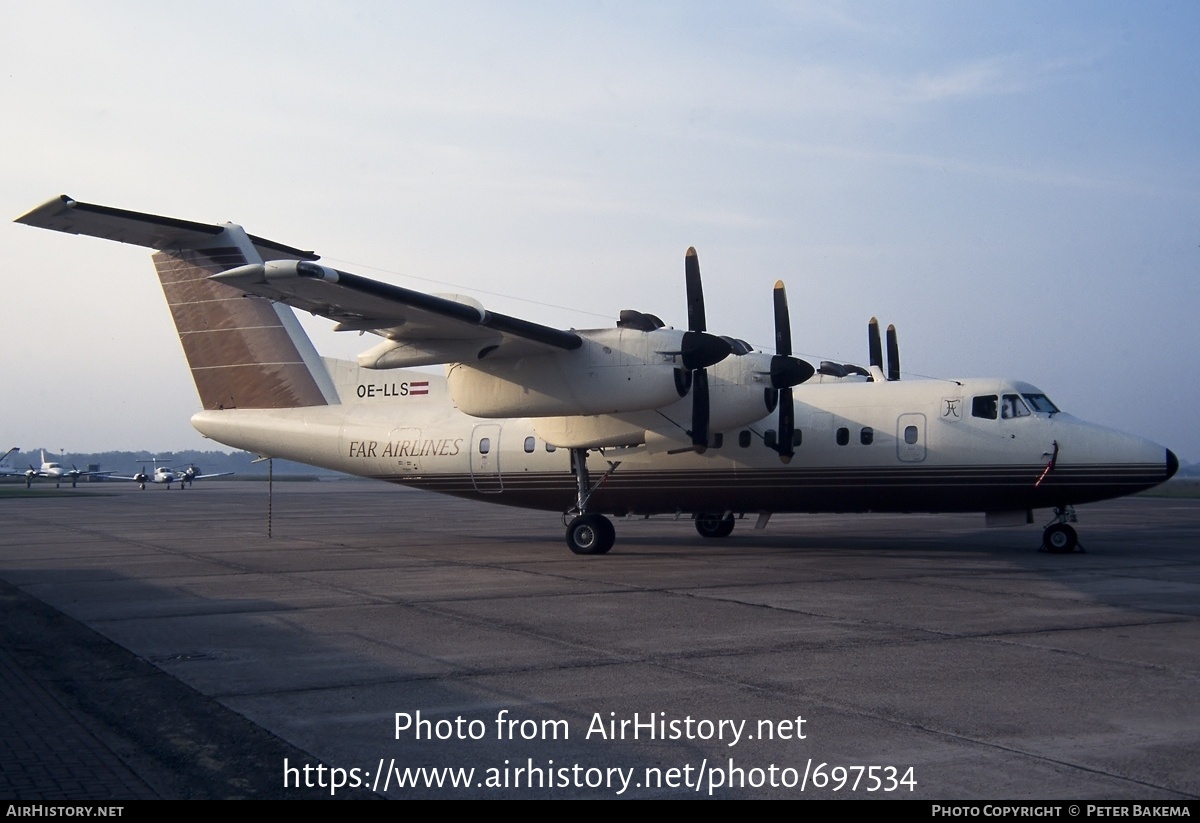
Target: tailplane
[244, 352]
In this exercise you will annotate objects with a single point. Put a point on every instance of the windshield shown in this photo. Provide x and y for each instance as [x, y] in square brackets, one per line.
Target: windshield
[1041, 403]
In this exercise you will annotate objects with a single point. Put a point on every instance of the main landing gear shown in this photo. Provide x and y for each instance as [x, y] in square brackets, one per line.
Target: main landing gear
[587, 533]
[714, 525]
[1060, 537]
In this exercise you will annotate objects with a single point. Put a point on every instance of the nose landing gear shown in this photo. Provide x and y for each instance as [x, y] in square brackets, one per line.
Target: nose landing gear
[1059, 536]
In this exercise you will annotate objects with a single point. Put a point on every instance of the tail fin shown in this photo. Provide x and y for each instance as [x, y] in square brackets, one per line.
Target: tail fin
[244, 352]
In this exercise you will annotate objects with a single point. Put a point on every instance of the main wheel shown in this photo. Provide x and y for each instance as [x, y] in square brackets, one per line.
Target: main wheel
[714, 525]
[591, 534]
[1060, 538]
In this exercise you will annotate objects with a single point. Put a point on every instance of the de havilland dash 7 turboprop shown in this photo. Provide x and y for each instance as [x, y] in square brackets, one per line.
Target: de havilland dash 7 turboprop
[636, 420]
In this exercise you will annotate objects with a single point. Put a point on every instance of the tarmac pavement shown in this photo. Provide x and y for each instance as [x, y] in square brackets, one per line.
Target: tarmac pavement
[159, 644]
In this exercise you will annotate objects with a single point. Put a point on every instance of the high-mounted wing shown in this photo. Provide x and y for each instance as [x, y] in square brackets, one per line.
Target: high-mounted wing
[421, 329]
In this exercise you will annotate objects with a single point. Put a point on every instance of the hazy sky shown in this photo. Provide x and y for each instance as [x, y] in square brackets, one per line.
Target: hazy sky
[1014, 185]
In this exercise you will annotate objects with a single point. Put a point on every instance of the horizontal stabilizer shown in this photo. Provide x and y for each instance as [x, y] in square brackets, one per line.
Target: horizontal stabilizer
[150, 230]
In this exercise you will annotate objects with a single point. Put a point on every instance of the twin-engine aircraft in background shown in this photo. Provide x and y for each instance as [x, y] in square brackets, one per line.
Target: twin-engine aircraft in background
[639, 419]
[50, 470]
[167, 475]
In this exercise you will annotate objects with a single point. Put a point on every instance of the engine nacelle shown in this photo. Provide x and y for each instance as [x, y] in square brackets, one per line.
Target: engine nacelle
[740, 393]
[739, 390]
[614, 371]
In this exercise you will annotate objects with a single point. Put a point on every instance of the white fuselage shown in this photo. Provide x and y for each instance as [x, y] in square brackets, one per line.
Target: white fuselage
[863, 446]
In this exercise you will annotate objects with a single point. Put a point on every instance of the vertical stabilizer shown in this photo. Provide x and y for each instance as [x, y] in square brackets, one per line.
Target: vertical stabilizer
[244, 352]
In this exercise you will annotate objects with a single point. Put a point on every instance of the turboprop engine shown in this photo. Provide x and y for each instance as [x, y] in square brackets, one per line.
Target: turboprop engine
[695, 382]
[614, 371]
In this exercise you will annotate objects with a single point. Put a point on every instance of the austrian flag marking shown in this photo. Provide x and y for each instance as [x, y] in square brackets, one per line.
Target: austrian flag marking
[418, 387]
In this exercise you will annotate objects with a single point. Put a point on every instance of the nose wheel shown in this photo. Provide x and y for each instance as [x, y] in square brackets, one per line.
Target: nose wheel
[1060, 537]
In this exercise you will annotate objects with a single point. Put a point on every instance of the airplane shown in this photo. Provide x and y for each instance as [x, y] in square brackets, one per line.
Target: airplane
[685, 422]
[57, 473]
[6, 468]
[167, 475]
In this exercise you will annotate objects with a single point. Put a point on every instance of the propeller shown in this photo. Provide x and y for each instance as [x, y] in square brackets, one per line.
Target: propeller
[875, 345]
[699, 350]
[892, 371]
[786, 371]
[893, 354]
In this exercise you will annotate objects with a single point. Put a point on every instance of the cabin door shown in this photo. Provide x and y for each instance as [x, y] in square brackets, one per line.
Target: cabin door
[910, 437]
[485, 458]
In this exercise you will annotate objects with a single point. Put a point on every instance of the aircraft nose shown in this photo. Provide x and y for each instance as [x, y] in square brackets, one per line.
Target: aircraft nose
[1172, 464]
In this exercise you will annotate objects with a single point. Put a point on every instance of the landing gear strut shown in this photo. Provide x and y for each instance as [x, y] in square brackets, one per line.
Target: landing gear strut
[1059, 537]
[587, 533]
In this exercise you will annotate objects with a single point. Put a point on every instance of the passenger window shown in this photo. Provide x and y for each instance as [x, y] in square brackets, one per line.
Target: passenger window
[843, 436]
[770, 438]
[718, 440]
[744, 438]
[984, 406]
[1013, 406]
[866, 436]
[529, 445]
[910, 434]
[551, 447]
[796, 438]
[485, 445]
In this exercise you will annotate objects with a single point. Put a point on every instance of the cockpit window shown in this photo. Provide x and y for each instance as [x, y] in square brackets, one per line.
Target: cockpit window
[1013, 406]
[984, 406]
[1041, 403]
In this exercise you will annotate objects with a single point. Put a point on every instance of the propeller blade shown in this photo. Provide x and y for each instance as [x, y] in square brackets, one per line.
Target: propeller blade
[786, 371]
[787, 426]
[695, 291]
[893, 354]
[783, 322]
[700, 350]
[700, 410]
[875, 344]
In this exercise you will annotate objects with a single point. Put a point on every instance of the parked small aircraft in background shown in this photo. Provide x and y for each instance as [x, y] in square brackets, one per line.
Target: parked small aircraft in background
[684, 421]
[56, 472]
[7, 469]
[166, 475]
